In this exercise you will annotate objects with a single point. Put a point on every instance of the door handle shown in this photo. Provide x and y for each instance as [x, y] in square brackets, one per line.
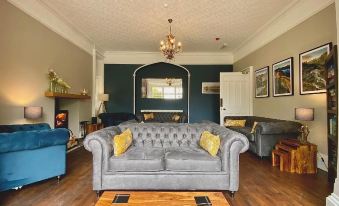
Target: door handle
[221, 103]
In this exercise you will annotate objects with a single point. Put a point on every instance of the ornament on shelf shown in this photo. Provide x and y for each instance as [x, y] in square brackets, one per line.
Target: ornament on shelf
[56, 83]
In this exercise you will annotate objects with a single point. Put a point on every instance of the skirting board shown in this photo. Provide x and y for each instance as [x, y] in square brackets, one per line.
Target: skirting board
[332, 200]
[320, 163]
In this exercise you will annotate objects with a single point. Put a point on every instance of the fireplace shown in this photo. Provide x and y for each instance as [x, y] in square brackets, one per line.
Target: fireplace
[61, 119]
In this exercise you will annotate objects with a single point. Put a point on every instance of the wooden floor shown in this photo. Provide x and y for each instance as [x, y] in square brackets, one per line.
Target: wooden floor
[260, 184]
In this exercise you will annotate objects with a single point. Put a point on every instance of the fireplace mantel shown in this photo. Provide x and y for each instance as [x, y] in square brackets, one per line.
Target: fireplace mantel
[66, 96]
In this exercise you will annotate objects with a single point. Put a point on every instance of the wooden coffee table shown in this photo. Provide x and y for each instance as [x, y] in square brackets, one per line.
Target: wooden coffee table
[153, 198]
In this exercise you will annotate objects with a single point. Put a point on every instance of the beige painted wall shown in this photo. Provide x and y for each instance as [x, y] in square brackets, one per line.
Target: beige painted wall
[315, 31]
[28, 49]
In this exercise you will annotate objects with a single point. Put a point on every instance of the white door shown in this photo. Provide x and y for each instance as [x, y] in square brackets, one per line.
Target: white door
[235, 94]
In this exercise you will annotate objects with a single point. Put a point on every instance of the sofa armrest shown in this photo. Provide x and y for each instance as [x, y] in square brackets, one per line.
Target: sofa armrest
[30, 140]
[283, 127]
[231, 145]
[228, 139]
[100, 144]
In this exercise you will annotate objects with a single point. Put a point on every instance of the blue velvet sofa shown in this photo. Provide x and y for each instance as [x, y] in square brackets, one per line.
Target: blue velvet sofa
[30, 153]
[113, 119]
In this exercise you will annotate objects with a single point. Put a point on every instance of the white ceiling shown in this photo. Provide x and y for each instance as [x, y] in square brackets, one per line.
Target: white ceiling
[139, 25]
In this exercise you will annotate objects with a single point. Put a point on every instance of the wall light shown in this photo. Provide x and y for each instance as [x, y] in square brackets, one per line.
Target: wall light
[32, 112]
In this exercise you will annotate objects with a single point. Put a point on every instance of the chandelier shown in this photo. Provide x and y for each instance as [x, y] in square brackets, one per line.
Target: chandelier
[168, 46]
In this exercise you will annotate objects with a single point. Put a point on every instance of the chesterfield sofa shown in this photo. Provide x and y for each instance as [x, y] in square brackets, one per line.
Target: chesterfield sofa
[166, 156]
[267, 132]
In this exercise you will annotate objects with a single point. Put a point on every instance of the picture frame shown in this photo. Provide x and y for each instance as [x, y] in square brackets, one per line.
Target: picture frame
[210, 87]
[312, 72]
[262, 82]
[282, 78]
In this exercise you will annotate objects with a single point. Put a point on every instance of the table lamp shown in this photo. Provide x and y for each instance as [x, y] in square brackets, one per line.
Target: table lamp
[304, 114]
[103, 98]
[32, 112]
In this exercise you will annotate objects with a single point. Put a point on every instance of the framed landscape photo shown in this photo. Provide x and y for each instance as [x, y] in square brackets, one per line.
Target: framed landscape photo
[282, 73]
[262, 82]
[210, 88]
[312, 70]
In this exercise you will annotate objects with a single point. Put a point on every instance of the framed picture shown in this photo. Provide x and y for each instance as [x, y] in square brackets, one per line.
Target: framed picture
[210, 88]
[262, 82]
[312, 70]
[282, 73]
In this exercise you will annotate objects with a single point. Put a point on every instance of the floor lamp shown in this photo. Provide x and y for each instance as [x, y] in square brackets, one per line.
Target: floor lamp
[102, 98]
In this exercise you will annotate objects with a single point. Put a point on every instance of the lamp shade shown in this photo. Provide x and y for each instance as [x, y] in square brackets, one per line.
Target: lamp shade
[32, 112]
[104, 97]
[304, 114]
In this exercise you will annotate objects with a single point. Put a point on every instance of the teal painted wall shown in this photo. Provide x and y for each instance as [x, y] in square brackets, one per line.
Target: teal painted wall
[119, 84]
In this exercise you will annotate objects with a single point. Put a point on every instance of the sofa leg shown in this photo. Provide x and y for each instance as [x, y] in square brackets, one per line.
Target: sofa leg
[232, 194]
[98, 193]
[58, 178]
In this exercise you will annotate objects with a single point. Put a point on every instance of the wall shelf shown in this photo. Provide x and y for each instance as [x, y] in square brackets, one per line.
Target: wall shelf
[66, 96]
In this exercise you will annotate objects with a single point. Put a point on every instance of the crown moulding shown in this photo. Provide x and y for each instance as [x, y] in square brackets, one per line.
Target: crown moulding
[294, 14]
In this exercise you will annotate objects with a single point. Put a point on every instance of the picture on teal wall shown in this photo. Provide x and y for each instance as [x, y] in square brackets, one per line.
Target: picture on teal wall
[210, 88]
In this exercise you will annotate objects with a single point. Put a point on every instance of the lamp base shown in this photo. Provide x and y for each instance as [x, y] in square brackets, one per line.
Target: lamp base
[304, 134]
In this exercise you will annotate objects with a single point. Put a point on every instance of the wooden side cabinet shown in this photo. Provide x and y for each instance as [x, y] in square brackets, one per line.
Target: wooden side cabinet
[93, 127]
[293, 156]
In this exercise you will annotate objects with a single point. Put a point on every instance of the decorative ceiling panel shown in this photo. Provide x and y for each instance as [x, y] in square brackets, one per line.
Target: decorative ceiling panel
[139, 25]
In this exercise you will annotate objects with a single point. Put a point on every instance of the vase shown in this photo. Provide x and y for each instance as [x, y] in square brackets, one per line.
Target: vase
[51, 86]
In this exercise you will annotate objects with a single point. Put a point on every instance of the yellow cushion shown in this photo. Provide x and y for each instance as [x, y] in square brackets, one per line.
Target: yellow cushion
[210, 142]
[176, 117]
[121, 142]
[235, 123]
[149, 116]
[253, 128]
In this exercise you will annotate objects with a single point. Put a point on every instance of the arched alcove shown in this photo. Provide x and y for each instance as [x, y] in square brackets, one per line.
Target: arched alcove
[161, 70]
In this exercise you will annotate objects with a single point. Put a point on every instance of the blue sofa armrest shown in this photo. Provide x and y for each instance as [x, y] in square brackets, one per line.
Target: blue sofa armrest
[30, 140]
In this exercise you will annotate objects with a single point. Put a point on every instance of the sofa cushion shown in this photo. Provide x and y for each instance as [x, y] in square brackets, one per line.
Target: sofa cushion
[121, 142]
[138, 159]
[185, 159]
[210, 142]
[245, 131]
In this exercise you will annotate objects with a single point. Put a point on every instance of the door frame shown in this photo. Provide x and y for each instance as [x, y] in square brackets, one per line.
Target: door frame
[250, 71]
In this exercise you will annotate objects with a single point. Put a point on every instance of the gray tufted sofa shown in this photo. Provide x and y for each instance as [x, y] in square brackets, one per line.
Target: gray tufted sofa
[166, 156]
[267, 132]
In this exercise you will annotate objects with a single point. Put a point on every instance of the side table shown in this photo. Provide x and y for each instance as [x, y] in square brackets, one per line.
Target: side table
[293, 156]
[93, 127]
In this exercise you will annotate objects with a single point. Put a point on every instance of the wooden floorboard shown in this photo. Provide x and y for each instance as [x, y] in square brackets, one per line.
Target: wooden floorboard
[260, 184]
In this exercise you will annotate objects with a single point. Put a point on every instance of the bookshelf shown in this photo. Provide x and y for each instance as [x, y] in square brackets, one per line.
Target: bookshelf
[332, 112]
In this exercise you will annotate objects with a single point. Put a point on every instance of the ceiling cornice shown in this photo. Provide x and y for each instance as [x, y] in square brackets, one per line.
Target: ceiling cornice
[50, 19]
[297, 12]
[192, 58]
